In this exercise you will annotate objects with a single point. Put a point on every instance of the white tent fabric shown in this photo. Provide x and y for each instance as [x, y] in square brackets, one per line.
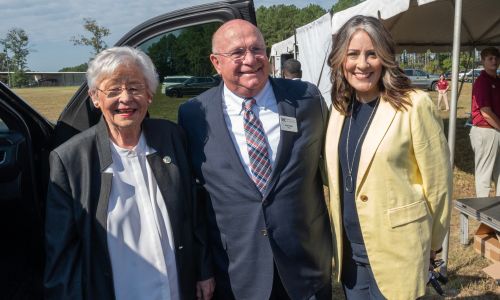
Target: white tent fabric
[314, 41]
[429, 25]
[286, 46]
[418, 25]
[386, 9]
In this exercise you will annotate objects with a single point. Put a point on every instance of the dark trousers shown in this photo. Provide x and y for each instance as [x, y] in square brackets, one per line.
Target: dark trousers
[279, 293]
[358, 281]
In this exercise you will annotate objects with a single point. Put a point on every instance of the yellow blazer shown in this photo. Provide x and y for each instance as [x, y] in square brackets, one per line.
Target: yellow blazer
[403, 192]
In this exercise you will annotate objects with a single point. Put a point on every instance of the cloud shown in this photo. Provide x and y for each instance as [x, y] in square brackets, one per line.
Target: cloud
[51, 24]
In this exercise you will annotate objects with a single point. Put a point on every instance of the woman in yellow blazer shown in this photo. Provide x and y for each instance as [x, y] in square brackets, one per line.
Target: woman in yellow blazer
[388, 169]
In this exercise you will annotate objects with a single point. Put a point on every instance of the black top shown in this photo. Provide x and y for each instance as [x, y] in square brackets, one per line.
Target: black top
[352, 231]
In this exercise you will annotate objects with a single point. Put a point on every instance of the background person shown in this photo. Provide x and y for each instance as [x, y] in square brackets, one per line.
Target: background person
[388, 168]
[292, 69]
[484, 134]
[255, 145]
[442, 89]
[119, 220]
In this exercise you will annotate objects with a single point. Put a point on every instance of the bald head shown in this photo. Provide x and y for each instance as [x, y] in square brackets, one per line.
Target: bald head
[239, 56]
[231, 30]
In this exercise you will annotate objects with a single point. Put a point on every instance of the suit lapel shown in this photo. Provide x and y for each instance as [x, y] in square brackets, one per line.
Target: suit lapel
[332, 145]
[220, 132]
[101, 213]
[286, 107]
[381, 122]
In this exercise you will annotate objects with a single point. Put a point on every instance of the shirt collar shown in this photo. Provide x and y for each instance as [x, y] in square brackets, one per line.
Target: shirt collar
[139, 149]
[264, 98]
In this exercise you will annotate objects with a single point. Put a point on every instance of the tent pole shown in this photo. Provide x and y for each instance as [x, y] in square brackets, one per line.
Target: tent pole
[453, 112]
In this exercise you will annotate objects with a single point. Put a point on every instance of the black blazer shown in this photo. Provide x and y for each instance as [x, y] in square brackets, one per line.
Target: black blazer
[289, 225]
[78, 264]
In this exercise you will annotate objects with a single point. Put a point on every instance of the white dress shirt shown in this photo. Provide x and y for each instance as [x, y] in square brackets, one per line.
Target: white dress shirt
[266, 109]
[139, 233]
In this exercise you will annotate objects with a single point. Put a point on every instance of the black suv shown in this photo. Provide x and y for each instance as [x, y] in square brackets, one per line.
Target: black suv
[192, 86]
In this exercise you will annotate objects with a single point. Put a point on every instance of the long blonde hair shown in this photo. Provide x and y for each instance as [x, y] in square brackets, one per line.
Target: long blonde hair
[394, 86]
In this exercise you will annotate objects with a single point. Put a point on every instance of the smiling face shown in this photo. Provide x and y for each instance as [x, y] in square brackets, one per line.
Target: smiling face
[247, 77]
[362, 67]
[124, 112]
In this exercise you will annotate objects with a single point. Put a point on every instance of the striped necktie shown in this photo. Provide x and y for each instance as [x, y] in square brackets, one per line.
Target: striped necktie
[260, 164]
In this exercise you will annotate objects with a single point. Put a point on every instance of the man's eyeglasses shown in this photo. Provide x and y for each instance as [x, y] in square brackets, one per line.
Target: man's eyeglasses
[238, 55]
[133, 89]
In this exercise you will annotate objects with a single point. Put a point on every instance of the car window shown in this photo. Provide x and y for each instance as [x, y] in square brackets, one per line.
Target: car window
[3, 126]
[178, 55]
[409, 72]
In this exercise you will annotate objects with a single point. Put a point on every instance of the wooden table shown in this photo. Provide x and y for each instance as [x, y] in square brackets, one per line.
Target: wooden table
[485, 210]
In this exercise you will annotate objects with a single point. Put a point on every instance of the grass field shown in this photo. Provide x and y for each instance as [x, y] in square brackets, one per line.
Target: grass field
[465, 266]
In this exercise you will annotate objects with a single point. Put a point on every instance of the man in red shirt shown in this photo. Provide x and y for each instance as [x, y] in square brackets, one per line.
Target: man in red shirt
[485, 133]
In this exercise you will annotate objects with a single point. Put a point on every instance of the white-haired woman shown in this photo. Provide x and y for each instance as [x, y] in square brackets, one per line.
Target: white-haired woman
[388, 168]
[119, 221]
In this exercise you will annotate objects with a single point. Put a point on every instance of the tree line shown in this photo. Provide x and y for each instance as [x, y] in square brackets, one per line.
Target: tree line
[185, 51]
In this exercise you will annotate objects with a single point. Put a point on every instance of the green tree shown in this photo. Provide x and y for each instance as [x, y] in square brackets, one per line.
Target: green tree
[96, 38]
[3, 62]
[162, 55]
[184, 52]
[16, 51]
[310, 13]
[344, 4]
[80, 68]
[279, 22]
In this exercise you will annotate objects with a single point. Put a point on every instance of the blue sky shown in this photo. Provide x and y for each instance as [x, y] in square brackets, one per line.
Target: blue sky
[51, 23]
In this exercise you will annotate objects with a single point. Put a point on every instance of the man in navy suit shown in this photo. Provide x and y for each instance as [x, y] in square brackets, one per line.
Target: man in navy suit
[255, 145]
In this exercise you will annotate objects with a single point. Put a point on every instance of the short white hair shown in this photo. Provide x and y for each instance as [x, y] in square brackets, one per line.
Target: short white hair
[107, 61]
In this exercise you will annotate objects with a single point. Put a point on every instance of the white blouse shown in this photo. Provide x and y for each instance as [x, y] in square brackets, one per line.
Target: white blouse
[139, 233]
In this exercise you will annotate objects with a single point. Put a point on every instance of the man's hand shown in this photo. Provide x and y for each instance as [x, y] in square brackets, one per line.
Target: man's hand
[205, 289]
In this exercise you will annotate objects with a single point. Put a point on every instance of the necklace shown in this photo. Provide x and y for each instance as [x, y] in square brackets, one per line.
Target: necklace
[349, 186]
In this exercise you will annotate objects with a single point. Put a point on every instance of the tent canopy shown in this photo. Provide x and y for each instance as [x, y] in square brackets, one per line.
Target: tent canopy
[286, 46]
[418, 25]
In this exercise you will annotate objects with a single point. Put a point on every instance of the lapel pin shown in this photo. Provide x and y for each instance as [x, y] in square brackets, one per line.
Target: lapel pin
[167, 159]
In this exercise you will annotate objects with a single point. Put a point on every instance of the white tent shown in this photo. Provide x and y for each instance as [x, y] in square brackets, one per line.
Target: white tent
[418, 25]
[314, 41]
[284, 47]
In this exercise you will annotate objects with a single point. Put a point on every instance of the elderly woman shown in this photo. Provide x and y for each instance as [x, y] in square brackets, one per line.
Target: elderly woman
[388, 168]
[119, 220]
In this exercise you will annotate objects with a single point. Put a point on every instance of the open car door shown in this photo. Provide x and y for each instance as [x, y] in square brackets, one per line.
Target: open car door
[24, 145]
[179, 43]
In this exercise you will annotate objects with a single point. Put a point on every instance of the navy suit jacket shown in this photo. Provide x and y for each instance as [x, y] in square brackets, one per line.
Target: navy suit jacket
[289, 224]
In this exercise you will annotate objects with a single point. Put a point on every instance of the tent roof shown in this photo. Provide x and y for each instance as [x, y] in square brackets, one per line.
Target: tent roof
[286, 46]
[418, 25]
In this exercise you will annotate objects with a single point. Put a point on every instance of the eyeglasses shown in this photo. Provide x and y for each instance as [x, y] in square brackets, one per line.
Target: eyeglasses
[133, 89]
[238, 55]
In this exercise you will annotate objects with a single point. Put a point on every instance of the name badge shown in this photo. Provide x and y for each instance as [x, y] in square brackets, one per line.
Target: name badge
[288, 124]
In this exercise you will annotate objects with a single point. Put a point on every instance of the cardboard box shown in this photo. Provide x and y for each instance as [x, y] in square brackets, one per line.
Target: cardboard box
[493, 271]
[486, 243]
